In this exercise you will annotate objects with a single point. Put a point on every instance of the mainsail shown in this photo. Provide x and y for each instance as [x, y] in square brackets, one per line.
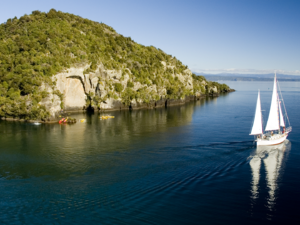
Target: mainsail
[282, 124]
[257, 125]
[273, 120]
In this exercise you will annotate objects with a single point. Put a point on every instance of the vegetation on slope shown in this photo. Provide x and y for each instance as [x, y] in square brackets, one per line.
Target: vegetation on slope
[35, 47]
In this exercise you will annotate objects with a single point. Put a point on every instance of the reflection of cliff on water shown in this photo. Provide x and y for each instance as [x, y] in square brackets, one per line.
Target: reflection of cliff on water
[273, 158]
[60, 151]
[130, 126]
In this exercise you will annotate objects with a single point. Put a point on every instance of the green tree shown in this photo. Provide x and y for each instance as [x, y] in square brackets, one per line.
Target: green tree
[118, 87]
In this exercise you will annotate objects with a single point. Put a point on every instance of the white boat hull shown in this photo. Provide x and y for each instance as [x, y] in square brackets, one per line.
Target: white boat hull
[273, 140]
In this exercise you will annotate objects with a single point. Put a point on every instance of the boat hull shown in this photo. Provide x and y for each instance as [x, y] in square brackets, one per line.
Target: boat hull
[273, 140]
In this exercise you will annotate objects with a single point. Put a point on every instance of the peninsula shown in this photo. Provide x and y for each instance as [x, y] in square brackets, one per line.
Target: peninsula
[53, 61]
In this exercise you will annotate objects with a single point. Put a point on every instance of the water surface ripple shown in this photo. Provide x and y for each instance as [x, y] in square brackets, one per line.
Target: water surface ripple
[191, 164]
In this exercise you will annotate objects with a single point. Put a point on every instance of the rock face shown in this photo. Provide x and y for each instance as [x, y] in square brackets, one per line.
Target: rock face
[79, 89]
[70, 84]
[75, 97]
[52, 102]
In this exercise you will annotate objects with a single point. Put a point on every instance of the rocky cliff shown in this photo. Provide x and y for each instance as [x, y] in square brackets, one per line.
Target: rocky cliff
[97, 90]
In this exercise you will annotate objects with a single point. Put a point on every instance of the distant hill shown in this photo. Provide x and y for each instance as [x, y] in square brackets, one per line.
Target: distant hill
[250, 77]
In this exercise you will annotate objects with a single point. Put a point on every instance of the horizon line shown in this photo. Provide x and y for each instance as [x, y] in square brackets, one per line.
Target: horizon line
[245, 71]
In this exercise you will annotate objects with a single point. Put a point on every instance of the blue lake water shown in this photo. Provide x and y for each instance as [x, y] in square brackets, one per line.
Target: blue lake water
[191, 164]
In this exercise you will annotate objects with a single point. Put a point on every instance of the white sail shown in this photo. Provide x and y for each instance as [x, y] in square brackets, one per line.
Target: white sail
[273, 120]
[282, 124]
[257, 125]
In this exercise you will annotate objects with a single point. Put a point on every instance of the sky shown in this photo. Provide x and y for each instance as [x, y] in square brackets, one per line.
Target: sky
[209, 36]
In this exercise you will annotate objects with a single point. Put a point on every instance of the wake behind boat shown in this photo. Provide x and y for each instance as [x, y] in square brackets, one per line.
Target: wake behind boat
[275, 131]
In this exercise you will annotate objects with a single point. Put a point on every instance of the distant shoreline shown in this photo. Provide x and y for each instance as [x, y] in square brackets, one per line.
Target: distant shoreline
[230, 78]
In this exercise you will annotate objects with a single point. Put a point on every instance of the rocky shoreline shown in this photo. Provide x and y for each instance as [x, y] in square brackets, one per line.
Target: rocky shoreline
[152, 105]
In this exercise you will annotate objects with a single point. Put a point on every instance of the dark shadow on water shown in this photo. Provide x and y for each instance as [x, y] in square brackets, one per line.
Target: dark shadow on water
[59, 151]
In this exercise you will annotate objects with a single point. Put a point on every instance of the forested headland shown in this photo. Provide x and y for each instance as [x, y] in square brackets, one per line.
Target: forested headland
[33, 48]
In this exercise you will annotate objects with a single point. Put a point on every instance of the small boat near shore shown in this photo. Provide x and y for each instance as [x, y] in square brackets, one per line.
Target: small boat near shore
[67, 120]
[276, 131]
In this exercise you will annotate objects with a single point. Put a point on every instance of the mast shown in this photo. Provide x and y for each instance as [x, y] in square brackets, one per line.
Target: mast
[273, 120]
[257, 125]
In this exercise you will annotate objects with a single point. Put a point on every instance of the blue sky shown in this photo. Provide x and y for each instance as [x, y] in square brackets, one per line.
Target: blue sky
[210, 36]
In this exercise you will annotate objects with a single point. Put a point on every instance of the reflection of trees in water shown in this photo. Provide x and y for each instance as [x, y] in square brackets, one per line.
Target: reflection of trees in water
[272, 157]
[60, 151]
[25, 149]
[142, 123]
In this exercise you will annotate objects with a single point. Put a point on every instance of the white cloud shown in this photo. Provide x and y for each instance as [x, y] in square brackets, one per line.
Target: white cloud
[245, 71]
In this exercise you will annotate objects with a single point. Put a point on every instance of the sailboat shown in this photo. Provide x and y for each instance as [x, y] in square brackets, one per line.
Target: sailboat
[276, 131]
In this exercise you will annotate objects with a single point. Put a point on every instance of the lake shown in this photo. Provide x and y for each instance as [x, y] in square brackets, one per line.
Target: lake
[190, 164]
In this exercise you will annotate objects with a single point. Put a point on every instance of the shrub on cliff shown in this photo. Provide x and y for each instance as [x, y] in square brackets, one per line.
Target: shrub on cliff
[130, 84]
[128, 95]
[118, 87]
